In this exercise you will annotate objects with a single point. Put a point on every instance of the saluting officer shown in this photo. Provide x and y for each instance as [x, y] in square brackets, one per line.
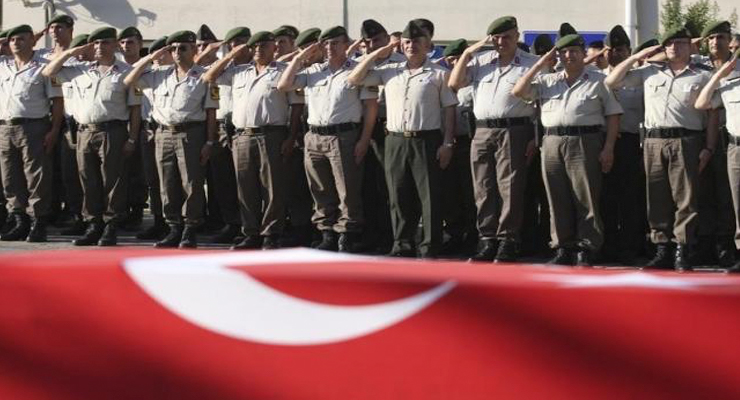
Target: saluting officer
[416, 95]
[577, 109]
[285, 37]
[504, 137]
[676, 148]
[27, 136]
[184, 105]
[104, 110]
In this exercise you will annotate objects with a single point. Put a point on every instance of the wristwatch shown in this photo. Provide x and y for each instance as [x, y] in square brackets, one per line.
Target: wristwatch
[211, 142]
[132, 140]
[448, 144]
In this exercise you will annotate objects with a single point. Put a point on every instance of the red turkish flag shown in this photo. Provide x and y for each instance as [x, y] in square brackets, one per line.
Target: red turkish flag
[301, 324]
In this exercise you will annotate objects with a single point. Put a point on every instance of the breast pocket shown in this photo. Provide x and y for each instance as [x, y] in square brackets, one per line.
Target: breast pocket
[318, 88]
[630, 98]
[27, 88]
[588, 104]
[688, 92]
[656, 88]
[552, 102]
[162, 97]
[113, 92]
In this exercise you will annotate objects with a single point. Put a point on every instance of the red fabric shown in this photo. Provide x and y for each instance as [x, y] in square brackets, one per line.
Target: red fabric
[74, 325]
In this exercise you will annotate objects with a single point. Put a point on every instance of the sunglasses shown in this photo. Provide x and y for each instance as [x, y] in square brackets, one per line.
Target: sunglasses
[181, 48]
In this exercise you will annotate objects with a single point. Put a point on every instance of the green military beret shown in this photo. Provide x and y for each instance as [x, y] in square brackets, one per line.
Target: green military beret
[371, 28]
[158, 44]
[677, 32]
[20, 29]
[181, 37]
[413, 31]
[239, 31]
[308, 36]
[102, 33]
[542, 44]
[501, 25]
[129, 32]
[716, 27]
[617, 37]
[646, 44]
[62, 19]
[566, 29]
[79, 40]
[4, 34]
[569, 41]
[286, 30]
[259, 37]
[333, 32]
[425, 24]
[205, 33]
[455, 48]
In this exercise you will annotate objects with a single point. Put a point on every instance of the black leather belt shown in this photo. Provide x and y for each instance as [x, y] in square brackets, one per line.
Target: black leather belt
[333, 129]
[734, 140]
[153, 126]
[182, 126]
[21, 121]
[101, 126]
[502, 122]
[261, 130]
[414, 134]
[574, 130]
[671, 133]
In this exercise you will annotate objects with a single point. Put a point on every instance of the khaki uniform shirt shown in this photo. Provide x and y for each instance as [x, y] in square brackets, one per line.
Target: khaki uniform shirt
[492, 85]
[100, 97]
[585, 103]
[464, 111]
[393, 58]
[631, 98]
[176, 100]
[414, 98]
[25, 93]
[257, 101]
[331, 99]
[669, 99]
[728, 94]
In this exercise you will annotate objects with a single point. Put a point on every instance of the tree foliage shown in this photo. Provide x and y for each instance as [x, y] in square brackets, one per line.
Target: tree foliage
[694, 16]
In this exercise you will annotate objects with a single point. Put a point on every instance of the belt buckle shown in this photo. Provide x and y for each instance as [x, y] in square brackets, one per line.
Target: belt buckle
[408, 134]
[248, 131]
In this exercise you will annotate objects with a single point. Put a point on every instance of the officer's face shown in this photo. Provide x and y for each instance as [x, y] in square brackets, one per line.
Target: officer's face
[335, 48]
[617, 54]
[506, 42]
[183, 53]
[719, 43]
[678, 50]
[130, 46]
[264, 52]
[572, 57]
[104, 49]
[60, 33]
[415, 47]
[285, 45]
[21, 43]
[202, 45]
[377, 41]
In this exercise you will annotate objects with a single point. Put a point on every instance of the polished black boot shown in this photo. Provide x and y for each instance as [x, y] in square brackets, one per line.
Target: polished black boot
[271, 242]
[682, 260]
[250, 242]
[155, 232]
[134, 219]
[725, 252]
[77, 228]
[507, 251]
[583, 258]
[329, 241]
[348, 242]
[189, 238]
[20, 229]
[172, 239]
[38, 232]
[227, 234]
[486, 250]
[110, 235]
[91, 236]
[563, 256]
[663, 258]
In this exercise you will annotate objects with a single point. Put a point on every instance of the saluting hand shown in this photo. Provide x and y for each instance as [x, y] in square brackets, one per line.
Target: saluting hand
[479, 45]
[306, 53]
[548, 58]
[387, 50]
[237, 50]
[727, 68]
[157, 55]
[648, 52]
[74, 52]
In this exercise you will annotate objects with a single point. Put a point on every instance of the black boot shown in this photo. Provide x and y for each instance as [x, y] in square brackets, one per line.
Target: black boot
[563, 256]
[155, 232]
[682, 260]
[734, 269]
[9, 224]
[348, 242]
[92, 235]
[172, 239]
[20, 229]
[583, 258]
[506, 251]
[134, 218]
[486, 250]
[189, 238]
[250, 242]
[329, 241]
[77, 228]
[110, 236]
[725, 252]
[663, 258]
[38, 232]
[227, 234]
[271, 242]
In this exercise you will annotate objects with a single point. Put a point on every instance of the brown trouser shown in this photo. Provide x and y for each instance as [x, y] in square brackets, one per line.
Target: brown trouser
[335, 181]
[26, 167]
[221, 179]
[733, 170]
[572, 175]
[499, 166]
[149, 167]
[672, 171]
[102, 171]
[181, 175]
[261, 177]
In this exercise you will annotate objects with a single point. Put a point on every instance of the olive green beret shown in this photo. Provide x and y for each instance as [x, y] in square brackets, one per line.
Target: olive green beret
[332, 32]
[413, 31]
[239, 31]
[501, 25]
[371, 28]
[716, 27]
[566, 29]
[129, 32]
[181, 37]
[569, 41]
[646, 44]
[617, 37]
[259, 37]
[102, 33]
[4, 34]
[79, 40]
[158, 44]
[62, 19]
[205, 33]
[308, 36]
[286, 30]
[542, 44]
[455, 48]
[20, 29]
[425, 24]
[677, 32]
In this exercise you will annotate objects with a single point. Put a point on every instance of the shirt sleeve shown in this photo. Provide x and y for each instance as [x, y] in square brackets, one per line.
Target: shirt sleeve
[374, 77]
[134, 96]
[296, 97]
[53, 87]
[301, 79]
[447, 97]
[717, 99]
[212, 96]
[634, 77]
[227, 77]
[146, 80]
[611, 104]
